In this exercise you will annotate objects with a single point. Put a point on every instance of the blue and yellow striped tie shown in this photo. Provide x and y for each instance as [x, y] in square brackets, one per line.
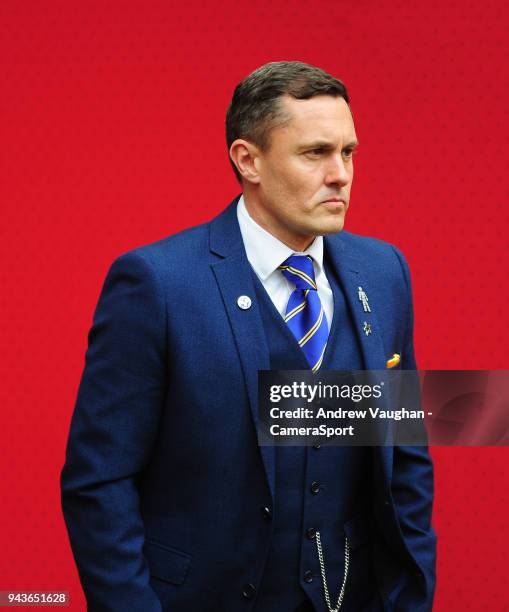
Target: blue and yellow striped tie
[304, 313]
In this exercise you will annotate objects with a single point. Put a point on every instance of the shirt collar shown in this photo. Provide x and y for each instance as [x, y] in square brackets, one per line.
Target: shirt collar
[264, 251]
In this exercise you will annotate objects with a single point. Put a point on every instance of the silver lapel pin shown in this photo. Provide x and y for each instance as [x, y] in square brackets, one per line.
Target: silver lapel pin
[363, 298]
[367, 328]
[244, 302]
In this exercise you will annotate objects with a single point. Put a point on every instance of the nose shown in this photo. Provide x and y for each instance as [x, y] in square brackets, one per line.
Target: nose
[337, 172]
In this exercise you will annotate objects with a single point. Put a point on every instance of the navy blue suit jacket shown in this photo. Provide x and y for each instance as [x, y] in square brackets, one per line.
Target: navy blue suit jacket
[164, 481]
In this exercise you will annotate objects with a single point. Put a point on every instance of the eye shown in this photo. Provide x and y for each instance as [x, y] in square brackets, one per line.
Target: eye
[348, 153]
[318, 151]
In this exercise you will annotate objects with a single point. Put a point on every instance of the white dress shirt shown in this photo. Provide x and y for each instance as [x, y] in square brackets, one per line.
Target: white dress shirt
[266, 253]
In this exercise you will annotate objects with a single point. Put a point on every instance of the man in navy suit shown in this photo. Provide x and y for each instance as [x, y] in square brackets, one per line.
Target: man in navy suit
[169, 501]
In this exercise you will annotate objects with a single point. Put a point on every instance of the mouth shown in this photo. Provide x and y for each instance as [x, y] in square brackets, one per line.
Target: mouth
[334, 199]
[334, 202]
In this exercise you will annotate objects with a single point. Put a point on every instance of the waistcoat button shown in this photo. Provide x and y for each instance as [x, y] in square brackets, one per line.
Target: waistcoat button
[311, 533]
[308, 576]
[267, 513]
[315, 487]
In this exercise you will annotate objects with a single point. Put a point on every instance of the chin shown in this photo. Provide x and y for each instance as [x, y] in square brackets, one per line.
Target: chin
[333, 227]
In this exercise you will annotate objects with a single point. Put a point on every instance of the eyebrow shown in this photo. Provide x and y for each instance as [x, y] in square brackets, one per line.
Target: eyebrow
[317, 144]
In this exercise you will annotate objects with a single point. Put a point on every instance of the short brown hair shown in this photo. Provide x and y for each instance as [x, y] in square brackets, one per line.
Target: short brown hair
[255, 108]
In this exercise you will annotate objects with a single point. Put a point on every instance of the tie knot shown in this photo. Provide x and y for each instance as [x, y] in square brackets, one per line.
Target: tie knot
[299, 270]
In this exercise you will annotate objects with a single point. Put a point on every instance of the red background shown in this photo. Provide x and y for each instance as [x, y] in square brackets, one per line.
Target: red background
[114, 137]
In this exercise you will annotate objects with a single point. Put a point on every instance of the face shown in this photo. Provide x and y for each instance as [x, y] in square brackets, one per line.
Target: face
[303, 180]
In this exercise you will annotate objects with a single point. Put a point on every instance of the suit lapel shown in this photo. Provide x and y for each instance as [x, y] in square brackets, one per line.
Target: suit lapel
[349, 269]
[233, 274]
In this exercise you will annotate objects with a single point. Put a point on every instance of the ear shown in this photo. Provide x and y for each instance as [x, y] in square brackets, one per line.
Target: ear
[244, 155]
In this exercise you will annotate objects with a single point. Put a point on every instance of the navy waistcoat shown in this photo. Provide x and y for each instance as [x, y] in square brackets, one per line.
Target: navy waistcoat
[292, 574]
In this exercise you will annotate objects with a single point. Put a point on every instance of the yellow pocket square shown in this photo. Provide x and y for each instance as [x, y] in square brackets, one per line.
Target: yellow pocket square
[393, 361]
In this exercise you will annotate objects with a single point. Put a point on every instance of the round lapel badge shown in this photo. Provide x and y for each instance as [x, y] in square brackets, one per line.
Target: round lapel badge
[244, 302]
